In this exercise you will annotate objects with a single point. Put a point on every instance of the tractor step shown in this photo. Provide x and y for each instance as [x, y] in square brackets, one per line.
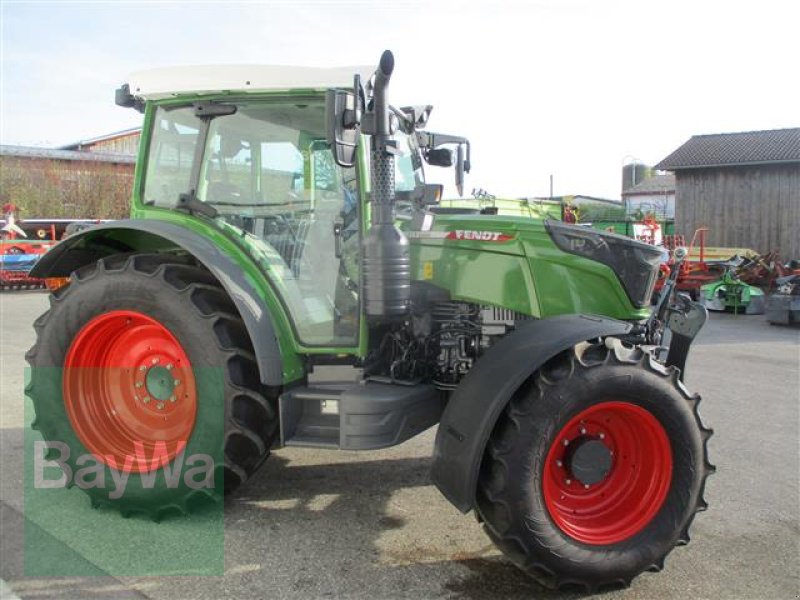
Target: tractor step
[357, 416]
[310, 417]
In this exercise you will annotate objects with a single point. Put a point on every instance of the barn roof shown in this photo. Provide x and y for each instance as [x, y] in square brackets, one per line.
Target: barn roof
[101, 138]
[56, 154]
[657, 184]
[735, 149]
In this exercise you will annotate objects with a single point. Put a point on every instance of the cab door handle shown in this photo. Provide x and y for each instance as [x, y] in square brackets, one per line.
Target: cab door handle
[337, 239]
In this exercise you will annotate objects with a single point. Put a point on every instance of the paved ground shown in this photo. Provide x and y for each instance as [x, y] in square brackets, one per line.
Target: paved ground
[317, 524]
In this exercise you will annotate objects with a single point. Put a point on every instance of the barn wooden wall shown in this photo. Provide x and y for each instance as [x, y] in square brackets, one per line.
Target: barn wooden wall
[752, 207]
[127, 144]
[49, 187]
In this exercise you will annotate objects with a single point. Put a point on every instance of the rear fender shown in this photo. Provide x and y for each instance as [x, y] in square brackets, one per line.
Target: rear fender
[482, 395]
[104, 240]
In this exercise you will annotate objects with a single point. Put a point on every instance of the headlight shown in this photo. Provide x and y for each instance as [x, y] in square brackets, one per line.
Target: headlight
[635, 263]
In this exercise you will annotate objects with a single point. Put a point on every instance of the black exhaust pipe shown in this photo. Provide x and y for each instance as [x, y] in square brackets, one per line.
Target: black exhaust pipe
[385, 253]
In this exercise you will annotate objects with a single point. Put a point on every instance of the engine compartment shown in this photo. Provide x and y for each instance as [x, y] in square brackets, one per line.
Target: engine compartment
[441, 343]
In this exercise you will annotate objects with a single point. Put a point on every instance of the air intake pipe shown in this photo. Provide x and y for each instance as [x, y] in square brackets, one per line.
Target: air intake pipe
[385, 253]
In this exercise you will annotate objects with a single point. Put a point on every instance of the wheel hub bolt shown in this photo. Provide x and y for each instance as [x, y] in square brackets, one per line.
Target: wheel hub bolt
[172, 398]
[138, 384]
[155, 361]
[602, 436]
[160, 406]
[559, 463]
[583, 430]
[169, 367]
[586, 486]
[568, 481]
[177, 382]
[145, 399]
[143, 368]
[566, 442]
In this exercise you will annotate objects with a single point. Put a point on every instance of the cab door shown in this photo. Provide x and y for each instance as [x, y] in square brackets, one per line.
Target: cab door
[269, 171]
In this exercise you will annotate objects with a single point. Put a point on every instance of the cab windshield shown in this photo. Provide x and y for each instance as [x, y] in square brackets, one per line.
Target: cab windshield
[266, 154]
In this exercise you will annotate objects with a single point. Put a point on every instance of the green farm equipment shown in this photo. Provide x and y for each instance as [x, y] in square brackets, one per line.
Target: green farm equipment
[731, 294]
[264, 241]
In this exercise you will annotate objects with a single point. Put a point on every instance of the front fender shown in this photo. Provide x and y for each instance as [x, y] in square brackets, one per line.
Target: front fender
[113, 238]
[482, 395]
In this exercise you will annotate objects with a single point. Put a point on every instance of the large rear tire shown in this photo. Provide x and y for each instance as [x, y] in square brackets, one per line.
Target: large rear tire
[595, 470]
[144, 358]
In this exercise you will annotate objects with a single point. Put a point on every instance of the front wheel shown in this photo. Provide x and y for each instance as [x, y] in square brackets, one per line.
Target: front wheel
[595, 470]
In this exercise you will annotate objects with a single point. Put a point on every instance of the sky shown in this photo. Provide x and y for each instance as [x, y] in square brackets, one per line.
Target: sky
[568, 88]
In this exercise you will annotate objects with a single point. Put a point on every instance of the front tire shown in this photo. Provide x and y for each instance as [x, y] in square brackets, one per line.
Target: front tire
[595, 470]
[138, 358]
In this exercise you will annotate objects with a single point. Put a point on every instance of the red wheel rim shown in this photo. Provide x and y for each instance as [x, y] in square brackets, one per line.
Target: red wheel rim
[632, 489]
[129, 391]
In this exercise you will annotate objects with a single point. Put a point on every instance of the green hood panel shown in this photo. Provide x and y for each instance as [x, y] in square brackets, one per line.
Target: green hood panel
[513, 263]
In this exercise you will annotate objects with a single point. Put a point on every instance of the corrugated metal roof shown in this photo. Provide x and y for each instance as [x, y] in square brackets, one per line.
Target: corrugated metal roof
[101, 138]
[657, 184]
[35, 152]
[734, 149]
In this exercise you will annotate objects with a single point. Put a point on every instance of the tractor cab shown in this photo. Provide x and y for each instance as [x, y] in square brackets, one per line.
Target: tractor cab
[264, 161]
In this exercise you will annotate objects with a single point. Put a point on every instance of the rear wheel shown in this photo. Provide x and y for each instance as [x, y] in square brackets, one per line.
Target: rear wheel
[143, 365]
[595, 470]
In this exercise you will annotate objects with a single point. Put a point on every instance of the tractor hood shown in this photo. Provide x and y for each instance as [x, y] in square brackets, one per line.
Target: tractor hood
[535, 267]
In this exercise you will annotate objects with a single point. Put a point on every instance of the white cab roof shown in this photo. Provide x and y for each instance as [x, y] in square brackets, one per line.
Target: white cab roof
[165, 82]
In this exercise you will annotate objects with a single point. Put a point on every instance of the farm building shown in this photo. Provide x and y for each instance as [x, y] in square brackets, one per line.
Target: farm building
[47, 183]
[121, 142]
[91, 178]
[745, 187]
[655, 195]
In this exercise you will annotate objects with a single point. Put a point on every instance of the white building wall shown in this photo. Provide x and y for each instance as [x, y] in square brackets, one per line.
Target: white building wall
[662, 205]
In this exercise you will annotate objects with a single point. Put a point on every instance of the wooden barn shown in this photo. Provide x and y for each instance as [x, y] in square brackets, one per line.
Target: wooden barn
[91, 178]
[745, 187]
[47, 183]
[121, 142]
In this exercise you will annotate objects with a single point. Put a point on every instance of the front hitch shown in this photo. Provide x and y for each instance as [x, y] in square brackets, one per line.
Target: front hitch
[686, 319]
[678, 314]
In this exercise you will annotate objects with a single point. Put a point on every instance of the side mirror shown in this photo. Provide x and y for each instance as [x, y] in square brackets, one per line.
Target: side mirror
[440, 157]
[342, 126]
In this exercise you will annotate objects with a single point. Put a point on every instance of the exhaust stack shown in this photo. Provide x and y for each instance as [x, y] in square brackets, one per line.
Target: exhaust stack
[385, 252]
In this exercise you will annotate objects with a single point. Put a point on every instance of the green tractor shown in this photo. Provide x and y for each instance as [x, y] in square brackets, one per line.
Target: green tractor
[281, 225]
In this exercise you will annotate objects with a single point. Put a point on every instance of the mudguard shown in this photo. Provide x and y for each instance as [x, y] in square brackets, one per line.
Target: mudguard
[482, 395]
[95, 243]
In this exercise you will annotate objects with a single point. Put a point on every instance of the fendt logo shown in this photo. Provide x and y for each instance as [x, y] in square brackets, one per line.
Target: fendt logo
[479, 236]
